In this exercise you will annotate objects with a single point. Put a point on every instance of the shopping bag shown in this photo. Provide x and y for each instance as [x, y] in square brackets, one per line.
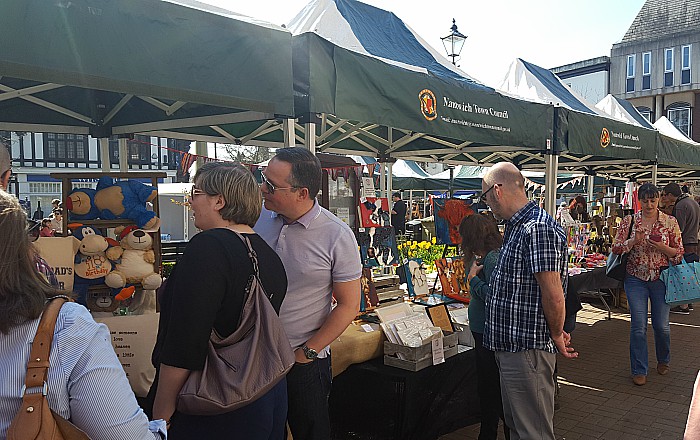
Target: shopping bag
[681, 280]
[616, 267]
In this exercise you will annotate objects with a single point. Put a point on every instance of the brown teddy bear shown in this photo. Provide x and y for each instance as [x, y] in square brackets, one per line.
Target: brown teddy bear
[134, 257]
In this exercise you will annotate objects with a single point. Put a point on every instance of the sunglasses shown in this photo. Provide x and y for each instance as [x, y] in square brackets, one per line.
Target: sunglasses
[483, 196]
[33, 228]
[271, 188]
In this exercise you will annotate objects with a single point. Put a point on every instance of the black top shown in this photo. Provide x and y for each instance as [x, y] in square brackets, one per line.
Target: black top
[400, 217]
[207, 289]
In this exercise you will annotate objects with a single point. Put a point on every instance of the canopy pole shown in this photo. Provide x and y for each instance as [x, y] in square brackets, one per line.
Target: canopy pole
[390, 178]
[551, 165]
[410, 204]
[200, 149]
[452, 180]
[104, 155]
[382, 179]
[654, 173]
[123, 155]
[289, 133]
[591, 188]
[310, 136]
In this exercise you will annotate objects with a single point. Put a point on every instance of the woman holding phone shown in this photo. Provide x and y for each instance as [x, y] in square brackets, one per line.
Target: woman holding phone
[654, 242]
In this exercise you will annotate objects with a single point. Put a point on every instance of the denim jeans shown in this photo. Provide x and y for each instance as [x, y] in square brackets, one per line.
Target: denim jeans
[308, 388]
[639, 292]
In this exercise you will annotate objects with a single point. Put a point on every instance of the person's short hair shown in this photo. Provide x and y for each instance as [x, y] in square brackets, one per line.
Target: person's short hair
[306, 168]
[396, 194]
[237, 185]
[57, 211]
[647, 191]
[479, 234]
[672, 188]
[685, 189]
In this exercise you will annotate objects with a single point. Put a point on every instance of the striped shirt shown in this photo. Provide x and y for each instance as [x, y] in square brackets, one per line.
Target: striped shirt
[515, 320]
[86, 382]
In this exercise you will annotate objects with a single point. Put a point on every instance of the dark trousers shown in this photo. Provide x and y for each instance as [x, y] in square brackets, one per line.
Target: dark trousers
[489, 386]
[308, 388]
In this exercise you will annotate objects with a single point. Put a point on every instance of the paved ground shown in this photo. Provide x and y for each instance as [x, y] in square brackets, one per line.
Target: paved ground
[598, 399]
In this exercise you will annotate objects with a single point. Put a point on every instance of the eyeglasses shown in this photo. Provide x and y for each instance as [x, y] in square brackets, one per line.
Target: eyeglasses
[483, 196]
[195, 191]
[33, 228]
[271, 188]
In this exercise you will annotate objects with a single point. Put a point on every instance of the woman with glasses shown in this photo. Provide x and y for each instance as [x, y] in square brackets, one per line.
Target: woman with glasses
[206, 291]
[86, 382]
[481, 246]
[653, 243]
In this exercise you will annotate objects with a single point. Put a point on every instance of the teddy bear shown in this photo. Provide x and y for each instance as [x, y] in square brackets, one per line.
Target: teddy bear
[126, 199]
[81, 204]
[135, 258]
[91, 262]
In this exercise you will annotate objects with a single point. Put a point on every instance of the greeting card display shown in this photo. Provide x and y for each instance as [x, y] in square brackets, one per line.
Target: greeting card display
[448, 215]
[374, 212]
[378, 247]
[453, 278]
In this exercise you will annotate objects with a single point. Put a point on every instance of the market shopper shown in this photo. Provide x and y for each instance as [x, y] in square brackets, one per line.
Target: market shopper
[206, 291]
[687, 214]
[398, 214]
[481, 246]
[86, 382]
[655, 242]
[322, 261]
[525, 313]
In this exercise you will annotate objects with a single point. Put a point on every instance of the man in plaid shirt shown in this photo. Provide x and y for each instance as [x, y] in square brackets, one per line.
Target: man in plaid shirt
[525, 313]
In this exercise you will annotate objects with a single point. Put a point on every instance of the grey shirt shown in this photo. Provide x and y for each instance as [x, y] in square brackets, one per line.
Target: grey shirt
[317, 250]
[687, 213]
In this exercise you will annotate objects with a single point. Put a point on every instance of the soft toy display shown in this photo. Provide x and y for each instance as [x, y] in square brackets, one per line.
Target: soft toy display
[135, 258]
[91, 262]
[126, 199]
[81, 204]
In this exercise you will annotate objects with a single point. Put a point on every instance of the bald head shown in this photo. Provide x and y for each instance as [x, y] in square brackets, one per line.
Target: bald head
[5, 165]
[506, 174]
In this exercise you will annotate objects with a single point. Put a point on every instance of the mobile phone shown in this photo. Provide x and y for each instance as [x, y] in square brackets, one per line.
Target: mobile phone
[655, 237]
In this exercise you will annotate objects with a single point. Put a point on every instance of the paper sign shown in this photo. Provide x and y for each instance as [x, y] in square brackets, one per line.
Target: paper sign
[438, 351]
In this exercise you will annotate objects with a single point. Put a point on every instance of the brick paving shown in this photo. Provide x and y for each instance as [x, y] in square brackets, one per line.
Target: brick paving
[598, 399]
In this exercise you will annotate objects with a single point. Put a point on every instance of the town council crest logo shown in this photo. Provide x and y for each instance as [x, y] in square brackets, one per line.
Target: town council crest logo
[428, 104]
[604, 138]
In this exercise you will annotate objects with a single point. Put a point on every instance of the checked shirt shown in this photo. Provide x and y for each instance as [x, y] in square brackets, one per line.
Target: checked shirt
[515, 320]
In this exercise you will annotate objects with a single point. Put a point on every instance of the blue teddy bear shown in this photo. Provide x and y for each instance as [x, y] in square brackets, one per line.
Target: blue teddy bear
[126, 199]
[81, 204]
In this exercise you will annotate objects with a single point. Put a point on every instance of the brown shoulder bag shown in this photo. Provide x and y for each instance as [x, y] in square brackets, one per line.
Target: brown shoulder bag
[35, 420]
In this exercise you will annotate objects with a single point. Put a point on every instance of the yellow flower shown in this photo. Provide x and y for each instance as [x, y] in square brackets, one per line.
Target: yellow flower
[433, 240]
[413, 246]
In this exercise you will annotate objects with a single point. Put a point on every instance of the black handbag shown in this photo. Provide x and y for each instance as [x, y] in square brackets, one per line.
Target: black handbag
[616, 267]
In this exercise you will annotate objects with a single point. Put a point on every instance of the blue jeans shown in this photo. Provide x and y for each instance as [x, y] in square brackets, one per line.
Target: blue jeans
[638, 293]
[308, 388]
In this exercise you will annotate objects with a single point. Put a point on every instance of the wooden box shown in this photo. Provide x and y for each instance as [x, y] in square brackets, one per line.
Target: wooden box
[417, 358]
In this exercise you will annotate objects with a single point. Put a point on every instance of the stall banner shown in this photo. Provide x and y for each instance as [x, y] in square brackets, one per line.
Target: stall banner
[59, 253]
[448, 215]
[374, 212]
[133, 338]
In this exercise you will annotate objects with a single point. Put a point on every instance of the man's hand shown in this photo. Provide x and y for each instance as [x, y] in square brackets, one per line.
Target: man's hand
[300, 357]
[563, 344]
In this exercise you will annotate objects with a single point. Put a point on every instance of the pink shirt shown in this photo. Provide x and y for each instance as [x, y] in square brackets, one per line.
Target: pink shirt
[645, 262]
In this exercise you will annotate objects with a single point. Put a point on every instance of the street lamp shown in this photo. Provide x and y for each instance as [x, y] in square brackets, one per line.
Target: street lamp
[453, 42]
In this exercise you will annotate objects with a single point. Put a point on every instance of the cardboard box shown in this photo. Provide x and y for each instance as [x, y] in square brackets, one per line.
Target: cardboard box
[417, 358]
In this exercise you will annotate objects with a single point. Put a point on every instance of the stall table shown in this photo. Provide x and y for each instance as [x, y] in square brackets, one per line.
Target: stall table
[373, 401]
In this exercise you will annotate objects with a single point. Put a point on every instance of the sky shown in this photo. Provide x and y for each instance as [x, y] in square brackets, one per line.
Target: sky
[548, 33]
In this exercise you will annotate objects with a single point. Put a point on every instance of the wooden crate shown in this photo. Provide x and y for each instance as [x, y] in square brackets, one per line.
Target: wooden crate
[418, 358]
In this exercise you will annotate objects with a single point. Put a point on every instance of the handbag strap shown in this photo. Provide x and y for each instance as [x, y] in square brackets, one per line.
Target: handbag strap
[38, 364]
[629, 231]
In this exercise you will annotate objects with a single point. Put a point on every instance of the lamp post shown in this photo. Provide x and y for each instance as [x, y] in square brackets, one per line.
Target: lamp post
[453, 42]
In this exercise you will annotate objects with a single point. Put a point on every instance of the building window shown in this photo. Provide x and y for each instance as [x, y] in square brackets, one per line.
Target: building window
[139, 150]
[65, 147]
[679, 114]
[646, 112]
[646, 71]
[668, 67]
[685, 64]
[629, 86]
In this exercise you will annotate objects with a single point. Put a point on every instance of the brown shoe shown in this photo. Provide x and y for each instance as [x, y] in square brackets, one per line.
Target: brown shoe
[639, 379]
[662, 369]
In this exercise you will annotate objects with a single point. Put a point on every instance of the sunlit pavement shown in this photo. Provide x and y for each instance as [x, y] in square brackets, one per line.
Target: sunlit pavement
[598, 399]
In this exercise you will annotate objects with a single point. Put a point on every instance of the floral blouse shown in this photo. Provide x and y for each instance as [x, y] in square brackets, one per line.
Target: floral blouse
[645, 262]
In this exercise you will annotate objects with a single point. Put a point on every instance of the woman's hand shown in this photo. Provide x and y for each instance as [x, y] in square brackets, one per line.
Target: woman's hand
[639, 237]
[475, 269]
[662, 247]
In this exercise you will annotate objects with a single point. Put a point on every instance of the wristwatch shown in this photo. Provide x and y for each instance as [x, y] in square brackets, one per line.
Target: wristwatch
[310, 353]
